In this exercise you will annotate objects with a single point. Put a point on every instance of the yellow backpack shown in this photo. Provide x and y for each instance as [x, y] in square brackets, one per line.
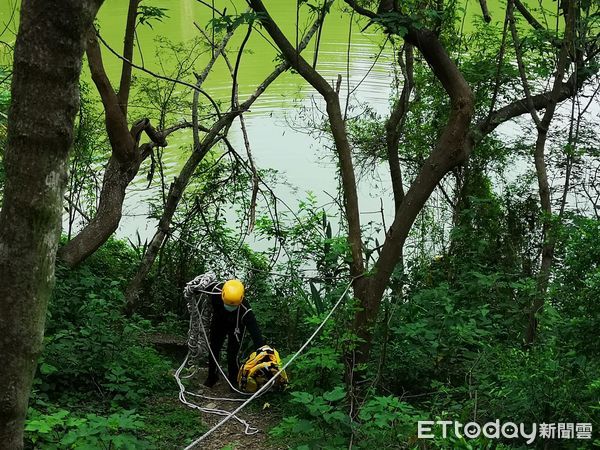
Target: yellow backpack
[261, 366]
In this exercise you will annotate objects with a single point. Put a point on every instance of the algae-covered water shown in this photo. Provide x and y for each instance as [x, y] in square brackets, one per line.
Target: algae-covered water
[278, 133]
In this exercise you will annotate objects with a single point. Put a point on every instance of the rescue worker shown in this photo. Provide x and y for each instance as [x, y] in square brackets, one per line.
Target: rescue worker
[232, 315]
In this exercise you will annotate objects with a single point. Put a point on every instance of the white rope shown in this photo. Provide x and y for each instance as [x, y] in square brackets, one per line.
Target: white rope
[216, 361]
[269, 383]
[191, 290]
[182, 391]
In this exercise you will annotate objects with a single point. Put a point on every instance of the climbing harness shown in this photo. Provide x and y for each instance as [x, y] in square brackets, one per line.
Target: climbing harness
[269, 383]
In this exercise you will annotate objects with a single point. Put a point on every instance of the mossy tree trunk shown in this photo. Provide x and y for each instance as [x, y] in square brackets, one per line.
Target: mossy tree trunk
[45, 99]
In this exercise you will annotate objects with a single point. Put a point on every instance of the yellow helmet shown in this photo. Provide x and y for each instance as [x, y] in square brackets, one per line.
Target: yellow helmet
[233, 292]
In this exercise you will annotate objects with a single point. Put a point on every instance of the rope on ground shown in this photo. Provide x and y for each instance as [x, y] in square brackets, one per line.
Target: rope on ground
[197, 346]
[248, 428]
[270, 383]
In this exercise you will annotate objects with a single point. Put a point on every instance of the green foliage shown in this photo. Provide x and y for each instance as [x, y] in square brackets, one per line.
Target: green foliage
[88, 153]
[89, 345]
[319, 368]
[448, 342]
[148, 14]
[228, 22]
[168, 424]
[324, 422]
[576, 287]
[454, 340]
[385, 419]
[61, 429]
[531, 388]
[98, 384]
[321, 424]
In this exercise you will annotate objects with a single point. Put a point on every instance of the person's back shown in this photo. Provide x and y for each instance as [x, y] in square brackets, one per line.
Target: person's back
[231, 316]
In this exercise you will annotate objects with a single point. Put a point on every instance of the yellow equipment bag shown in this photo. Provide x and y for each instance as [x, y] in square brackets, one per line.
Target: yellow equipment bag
[261, 366]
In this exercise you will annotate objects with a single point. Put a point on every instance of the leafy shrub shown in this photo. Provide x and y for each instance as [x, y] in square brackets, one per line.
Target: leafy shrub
[318, 369]
[323, 422]
[90, 346]
[61, 429]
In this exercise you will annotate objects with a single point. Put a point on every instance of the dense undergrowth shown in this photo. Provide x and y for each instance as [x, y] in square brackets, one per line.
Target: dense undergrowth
[98, 384]
[448, 345]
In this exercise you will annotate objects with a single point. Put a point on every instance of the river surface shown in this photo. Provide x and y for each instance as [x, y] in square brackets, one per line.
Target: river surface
[278, 133]
[279, 137]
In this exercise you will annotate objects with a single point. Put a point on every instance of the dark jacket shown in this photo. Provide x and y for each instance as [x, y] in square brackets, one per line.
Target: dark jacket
[243, 316]
[230, 325]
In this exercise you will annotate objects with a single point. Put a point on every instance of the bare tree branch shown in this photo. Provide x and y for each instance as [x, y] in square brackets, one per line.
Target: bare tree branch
[116, 126]
[395, 123]
[181, 181]
[161, 77]
[485, 11]
[125, 83]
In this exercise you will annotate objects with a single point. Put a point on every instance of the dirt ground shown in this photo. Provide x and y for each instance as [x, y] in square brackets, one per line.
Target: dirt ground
[231, 435]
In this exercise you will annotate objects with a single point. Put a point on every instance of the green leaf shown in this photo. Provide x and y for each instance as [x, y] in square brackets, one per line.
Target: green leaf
[316, 297]
[303, 426]
[335, 395]
[47, 369]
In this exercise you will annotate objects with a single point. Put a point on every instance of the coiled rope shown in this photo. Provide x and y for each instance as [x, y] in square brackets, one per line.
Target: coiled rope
[268, 384]
[197, 347]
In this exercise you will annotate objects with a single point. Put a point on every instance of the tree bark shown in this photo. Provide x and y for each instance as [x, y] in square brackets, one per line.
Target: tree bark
[449, 151]
[453, 147]
[123, 164]
[548, 238]
[128, 41]
[175, 194]
[47, 65]
[395, 124]
[340, 138]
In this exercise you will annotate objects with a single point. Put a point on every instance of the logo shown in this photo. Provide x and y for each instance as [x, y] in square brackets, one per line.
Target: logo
[429, 429]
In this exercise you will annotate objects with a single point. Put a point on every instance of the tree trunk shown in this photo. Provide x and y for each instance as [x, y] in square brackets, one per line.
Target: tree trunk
[128, 41]
[123, 165]
[543, 125]
[47, 65]
[452, 148]
[449, 151]
[117, 177]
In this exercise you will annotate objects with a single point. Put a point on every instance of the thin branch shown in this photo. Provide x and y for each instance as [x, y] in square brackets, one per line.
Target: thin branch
[520, 64]
[528, 16]
[238, 60]
[161, 77]
[520, 107]
[128, 43]
[500, 63]
[217, 49]
[348, 66]
[485, 11]
[77, 208]
[117, 129]
[395, 124]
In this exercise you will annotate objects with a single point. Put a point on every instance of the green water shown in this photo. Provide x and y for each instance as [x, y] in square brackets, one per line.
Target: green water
[278, 136]
[302, 161]
[259, 59]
